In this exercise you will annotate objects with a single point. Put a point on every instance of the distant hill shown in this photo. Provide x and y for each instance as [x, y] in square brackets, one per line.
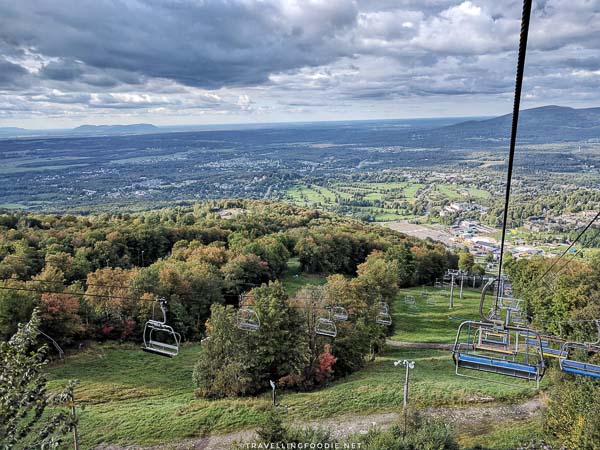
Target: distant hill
[115, 129]
[83, 130]
[546, 124]
[12, 131]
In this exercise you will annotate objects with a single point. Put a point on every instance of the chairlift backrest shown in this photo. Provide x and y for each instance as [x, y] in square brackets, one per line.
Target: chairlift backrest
[383, 307]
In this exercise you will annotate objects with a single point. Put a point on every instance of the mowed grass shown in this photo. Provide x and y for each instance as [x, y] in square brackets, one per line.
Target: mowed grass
[134, 397]
[433, 324]
[294, 279]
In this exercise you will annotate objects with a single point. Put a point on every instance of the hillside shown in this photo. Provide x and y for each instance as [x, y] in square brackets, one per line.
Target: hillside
[543, 125]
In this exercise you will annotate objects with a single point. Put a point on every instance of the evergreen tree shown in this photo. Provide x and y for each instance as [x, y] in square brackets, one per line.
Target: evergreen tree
[30, 416]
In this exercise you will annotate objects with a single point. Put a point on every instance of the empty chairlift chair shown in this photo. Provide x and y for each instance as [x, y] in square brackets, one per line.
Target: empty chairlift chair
[340, 313]
[571, 364]
[383, 315]
[518, 318]
[160, 338]
[495, 358]
[494, 348]
[248, 320]
[325, 326]
[412, 303]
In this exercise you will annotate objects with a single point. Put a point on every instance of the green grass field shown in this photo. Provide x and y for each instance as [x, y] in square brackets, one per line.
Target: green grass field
[134, 397]
[433, 323]
[294, 279]
[349, 197]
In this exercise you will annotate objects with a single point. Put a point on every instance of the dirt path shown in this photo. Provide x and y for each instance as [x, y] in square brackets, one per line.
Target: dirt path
[340, 426]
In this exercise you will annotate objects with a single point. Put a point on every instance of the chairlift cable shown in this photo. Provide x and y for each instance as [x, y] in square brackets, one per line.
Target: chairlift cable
[525, 20]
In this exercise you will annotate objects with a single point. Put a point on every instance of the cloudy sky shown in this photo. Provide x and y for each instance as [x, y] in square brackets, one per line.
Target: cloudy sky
[64, 63]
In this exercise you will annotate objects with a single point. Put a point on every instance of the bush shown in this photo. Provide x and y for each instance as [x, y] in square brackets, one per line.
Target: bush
[573, 414]
[419, 434]
[273, 431]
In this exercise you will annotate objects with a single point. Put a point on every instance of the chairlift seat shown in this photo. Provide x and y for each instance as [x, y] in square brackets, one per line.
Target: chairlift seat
[151, 343]
[326, 327]
[161, 348]
[580, 368]
[498, 366]
[340, 313]
[495, 348]
[383, 319]
[248, 320]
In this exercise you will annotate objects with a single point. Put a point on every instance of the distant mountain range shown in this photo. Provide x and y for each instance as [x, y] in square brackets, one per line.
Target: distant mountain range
[543, 125]
[83, 130]
[116, 129]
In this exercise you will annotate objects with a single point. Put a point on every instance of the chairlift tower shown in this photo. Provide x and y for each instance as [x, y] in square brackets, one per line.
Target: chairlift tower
[452, 273]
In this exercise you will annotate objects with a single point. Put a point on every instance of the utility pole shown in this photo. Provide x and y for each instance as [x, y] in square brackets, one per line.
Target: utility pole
[462, 279]
[142, 258]
[409, 365]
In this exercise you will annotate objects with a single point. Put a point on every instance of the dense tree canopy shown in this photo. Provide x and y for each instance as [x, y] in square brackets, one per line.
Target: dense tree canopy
[96, 276]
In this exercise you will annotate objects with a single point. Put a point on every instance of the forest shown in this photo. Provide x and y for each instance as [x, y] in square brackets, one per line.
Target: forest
[85, 281]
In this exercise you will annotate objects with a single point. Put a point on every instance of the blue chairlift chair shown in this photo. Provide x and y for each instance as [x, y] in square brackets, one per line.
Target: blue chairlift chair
[572, 364]
[493, 347]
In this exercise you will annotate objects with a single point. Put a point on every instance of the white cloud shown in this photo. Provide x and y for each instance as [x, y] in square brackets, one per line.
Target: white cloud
[255, 60]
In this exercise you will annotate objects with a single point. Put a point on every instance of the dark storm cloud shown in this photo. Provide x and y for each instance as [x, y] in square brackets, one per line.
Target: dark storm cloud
[62, 70]
[205, 44]
[12, 75]
[242, 55]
